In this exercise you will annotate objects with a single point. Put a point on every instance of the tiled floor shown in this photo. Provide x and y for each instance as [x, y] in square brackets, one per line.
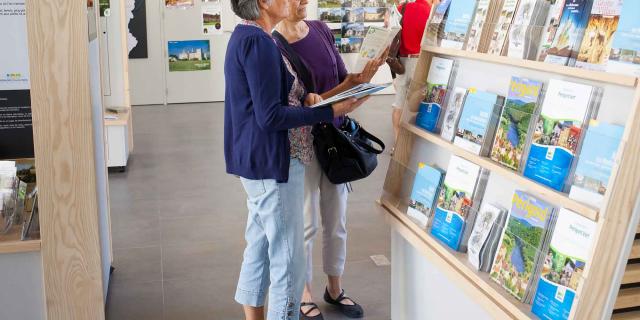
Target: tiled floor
[178, 221]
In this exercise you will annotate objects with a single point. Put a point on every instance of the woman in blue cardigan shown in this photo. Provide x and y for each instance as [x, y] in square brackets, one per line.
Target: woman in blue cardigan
[266, 142]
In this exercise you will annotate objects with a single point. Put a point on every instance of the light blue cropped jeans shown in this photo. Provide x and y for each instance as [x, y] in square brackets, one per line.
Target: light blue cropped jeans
[274, 257]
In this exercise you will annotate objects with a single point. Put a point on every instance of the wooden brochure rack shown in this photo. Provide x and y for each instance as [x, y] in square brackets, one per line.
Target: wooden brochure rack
[615, 244]
[67, 168]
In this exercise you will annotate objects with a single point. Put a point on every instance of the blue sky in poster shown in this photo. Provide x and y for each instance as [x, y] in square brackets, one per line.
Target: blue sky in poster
[176, 47]
[628, 34]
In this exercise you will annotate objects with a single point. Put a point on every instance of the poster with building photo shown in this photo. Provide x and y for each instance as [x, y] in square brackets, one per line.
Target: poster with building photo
[16, 132]
[178, 4]
[211, 17]
[349, 20]
[189, 55]
[136, 20]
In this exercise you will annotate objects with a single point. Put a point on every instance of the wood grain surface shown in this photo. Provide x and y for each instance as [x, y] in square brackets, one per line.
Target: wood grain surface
[64, 149]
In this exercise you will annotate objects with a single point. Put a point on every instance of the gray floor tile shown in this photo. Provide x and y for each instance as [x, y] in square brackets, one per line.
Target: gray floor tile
[366, 283]
[137, 265]
[135, 301]
[201, 260]
[202, 300]
[135, 232]
[199, 229]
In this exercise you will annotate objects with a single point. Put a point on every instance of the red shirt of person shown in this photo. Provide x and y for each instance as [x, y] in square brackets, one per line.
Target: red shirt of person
[413, 23]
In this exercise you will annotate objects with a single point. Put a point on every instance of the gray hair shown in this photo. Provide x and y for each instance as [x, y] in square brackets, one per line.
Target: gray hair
[247, 9]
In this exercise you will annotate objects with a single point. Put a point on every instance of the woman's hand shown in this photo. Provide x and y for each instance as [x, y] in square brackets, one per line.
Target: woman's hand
[312, 99]
[343, 107]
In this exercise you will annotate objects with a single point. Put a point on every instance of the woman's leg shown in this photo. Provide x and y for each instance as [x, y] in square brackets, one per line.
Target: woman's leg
[283, 221]
[254, 273]
[333, 210]
[312, 176]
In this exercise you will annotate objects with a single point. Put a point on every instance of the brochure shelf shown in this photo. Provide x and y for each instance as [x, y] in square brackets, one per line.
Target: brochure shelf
[631, 274]
[635, 250]
[603, 77]
[487, 292]
[628, 298]
[543, 192]
[10, 243]
[627, 316]
[616, 219]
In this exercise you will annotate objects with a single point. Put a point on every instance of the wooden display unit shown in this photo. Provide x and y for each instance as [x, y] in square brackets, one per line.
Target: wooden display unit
[66, 145]
[599, 292]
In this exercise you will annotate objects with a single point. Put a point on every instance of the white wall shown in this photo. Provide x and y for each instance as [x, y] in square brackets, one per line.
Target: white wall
[22, 286]
[414, 278]
[114, 85]
[148, 77]
[419, 290]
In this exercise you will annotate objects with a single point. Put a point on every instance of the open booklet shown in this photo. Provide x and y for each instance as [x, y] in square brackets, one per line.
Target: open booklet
[374, 43]
[359, 91]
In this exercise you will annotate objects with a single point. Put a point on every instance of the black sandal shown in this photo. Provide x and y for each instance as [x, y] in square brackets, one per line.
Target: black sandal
[352, 311]
[305, 315]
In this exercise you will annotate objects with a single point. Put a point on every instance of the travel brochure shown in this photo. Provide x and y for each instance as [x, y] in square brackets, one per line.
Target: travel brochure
[516, 122]
[477, 25]
[435, 27]
[525, 31]
[625, 49]
[568, 37]
[478, 121]
[564, 265]
[357, 92]
[457, 25]
[516, 265]
[426, 188]
[501, 27]
[463, 184]
[485, 235]
[376, 41]
[550, 28]
[452, 113]
[598, 37]
[558, 132]
[596, 161]
[438, 78]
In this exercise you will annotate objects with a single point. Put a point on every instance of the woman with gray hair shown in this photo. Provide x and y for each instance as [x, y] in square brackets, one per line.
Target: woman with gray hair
[267, 141]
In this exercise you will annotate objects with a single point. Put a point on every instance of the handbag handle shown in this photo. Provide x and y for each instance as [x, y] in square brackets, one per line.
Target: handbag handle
[365, 134]
[373, 138]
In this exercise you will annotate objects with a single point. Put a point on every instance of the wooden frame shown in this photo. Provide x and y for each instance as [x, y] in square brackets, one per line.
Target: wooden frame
[616, 229]
[65, 163]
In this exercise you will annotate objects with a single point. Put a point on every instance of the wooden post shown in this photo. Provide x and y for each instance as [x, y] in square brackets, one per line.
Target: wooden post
[64, 150]
[611, 249]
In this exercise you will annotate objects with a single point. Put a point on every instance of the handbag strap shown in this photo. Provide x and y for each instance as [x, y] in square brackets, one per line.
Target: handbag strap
[296, 61]
[359, 130]
[372, 138]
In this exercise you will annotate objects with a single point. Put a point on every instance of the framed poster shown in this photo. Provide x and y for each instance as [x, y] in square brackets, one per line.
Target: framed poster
[190, 55]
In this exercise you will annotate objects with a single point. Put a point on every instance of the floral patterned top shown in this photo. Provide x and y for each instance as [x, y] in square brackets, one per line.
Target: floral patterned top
[300, 139]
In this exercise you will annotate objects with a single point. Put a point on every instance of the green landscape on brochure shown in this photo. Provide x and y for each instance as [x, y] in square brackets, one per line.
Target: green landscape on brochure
[515, 126]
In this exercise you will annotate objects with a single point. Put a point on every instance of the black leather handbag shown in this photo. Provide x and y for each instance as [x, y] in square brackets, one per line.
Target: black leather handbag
[347, 153]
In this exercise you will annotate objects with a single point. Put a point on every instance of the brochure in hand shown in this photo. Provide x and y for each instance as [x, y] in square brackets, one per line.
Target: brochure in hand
[359, 91]
[375, 42]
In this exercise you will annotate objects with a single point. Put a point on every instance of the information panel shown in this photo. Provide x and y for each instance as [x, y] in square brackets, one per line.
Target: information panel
[16, 133]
